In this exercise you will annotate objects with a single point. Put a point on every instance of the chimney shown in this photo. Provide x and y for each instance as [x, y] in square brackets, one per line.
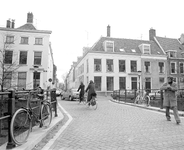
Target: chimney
[108, 31]
[182, 39]
[13, 23]
[8, 22]
[152, 34]
[29, 17]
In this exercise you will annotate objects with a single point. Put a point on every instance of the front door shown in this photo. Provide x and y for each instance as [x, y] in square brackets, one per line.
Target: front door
[36, 79]
[148, 83]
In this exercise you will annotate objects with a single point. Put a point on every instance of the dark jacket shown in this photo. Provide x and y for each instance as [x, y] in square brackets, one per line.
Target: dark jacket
[91, 90]
[81, 88]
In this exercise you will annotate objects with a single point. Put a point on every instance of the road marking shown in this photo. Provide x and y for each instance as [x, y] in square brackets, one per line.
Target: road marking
[51, 142]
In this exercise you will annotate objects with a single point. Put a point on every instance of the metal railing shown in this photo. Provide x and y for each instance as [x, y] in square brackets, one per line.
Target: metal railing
[49, 95]
[156, 96]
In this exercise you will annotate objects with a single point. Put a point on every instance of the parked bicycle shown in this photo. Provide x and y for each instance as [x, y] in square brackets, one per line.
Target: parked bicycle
[22, 120]
[145, 99]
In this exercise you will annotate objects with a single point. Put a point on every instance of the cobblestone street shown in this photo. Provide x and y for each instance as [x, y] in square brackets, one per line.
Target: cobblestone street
[117, 126]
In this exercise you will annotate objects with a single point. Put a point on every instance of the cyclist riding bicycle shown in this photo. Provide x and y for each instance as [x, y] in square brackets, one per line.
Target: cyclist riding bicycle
[91, 91]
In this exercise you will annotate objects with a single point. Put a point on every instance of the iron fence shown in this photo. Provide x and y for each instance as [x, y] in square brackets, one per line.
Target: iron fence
[11, 101]
[156, 97]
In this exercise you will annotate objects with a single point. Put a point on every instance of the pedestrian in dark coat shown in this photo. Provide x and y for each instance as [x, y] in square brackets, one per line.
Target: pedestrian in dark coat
[81, 89]
[91, 90]
[170, 99]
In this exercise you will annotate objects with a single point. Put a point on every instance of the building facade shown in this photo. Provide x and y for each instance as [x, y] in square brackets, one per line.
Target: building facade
[28, 56]
[115, 63]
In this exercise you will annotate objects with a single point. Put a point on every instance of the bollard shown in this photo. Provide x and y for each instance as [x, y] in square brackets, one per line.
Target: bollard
[161, 99]
[54, 101]
[11, 109]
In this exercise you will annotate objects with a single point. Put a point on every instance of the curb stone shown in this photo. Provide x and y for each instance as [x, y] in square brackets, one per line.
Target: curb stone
[181, 113]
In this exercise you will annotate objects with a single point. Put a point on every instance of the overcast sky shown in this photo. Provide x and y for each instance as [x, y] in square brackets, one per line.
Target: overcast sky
[78, 23]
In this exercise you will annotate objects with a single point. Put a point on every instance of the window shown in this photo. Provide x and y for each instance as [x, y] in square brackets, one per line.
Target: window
[38, 41]
[110, 84]
[23, 57]
[133, 66]
[161, 80]
[8, 57]
[122, 83]
[146, 49]
[173, 68]
[97, 81]
[97, 65]
[87, 65]
[109, 46]
[21, 80]
[134, 83]
[174, 79]
[37, 58]
[147, 83]
[181, 68]
[147, 66]
[181, 79]
[109, 63]
[172, 54]
[24, 40]
[87, 79]
[7, 79]
[161, 67]
[10, 39]
[36, 79]
[122, 66]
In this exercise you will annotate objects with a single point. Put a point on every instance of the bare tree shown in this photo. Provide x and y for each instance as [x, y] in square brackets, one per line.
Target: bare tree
[8, 67]
[64, 77]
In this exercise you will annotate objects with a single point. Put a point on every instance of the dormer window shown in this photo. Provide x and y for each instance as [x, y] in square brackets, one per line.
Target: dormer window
[145, 48]
[109, 46]
[171, 53]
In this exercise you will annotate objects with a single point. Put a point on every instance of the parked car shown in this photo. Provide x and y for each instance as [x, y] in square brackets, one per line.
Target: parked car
[155, 95]
[58, 92]
[71, 95]
[74, 94]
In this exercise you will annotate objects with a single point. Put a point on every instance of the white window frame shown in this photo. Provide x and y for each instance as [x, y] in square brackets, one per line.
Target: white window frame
[169, 53]
[112, 42]
[175, 67]
[183, 67]
[163, 68]
[146, 50]
[149, 67]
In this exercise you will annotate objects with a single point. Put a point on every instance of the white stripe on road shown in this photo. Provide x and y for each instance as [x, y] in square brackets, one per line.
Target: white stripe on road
[51, 142]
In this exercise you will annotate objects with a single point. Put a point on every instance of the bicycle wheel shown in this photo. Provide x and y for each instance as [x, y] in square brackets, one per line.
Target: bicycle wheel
[94, 104]
[46, 115]
[20, 126]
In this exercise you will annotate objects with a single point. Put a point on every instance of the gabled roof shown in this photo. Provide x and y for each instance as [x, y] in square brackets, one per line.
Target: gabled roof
[170, 44]
[27, 26]
[127, 45]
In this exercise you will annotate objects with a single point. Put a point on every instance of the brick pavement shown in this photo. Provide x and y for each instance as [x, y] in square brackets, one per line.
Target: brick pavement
[118, 127]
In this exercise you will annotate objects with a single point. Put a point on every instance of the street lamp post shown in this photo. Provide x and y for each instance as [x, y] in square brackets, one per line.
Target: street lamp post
[139, 74]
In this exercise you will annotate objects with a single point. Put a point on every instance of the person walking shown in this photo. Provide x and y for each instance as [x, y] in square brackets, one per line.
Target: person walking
[81, 94]
[170, 99]
[91, 91]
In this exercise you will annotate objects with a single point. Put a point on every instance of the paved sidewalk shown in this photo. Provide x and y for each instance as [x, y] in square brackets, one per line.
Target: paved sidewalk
[181, 113]
[37, 134]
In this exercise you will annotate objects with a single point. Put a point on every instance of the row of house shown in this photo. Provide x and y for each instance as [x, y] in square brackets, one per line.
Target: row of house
[26, 56]
[117, 63]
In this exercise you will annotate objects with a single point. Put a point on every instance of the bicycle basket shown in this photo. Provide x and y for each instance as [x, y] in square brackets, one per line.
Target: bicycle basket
[93, 103]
